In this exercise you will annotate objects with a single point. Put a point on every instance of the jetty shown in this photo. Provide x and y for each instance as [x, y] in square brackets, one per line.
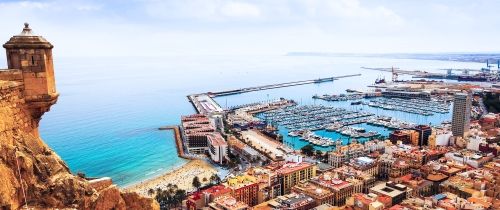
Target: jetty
[278, 85]
[178, 140]
[205, 104]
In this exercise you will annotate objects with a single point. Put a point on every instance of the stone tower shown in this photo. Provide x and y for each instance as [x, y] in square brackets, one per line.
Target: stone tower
[29, 59]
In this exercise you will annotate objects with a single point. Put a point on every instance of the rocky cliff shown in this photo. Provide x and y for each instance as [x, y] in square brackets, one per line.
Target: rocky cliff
[32, 174]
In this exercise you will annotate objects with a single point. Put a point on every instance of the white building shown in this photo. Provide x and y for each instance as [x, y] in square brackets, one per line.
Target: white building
[443, 138]
[375, 145]
[217, 148]
[469, 157]
[293, 158]
[474, 141]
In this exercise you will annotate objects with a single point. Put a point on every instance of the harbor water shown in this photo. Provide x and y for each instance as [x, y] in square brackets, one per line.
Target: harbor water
[105, 121]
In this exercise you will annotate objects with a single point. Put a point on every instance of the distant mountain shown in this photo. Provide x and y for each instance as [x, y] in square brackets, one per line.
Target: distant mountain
[462, 57]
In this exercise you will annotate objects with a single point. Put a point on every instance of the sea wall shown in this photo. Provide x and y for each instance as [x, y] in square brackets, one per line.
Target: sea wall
[31, 173]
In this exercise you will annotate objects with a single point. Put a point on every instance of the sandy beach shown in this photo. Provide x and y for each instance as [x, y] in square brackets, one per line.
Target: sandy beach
[182, 177]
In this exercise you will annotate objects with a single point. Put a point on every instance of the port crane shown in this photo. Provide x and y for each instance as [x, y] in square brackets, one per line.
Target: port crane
[466, 71]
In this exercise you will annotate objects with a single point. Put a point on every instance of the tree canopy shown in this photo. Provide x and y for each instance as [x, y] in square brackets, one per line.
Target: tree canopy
[170, 197]
[196, 182]
[307, 150]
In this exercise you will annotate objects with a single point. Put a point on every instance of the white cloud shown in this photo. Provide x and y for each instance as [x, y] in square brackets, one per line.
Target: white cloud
[155, 27]
[351, 10]
[87, 7]
[31, 4]
[240, 9]
[204, 10]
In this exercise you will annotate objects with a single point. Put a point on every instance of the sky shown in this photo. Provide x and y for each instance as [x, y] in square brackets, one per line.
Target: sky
[229, 27]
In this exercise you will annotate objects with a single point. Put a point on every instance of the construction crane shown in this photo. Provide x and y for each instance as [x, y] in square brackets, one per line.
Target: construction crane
[393, 70]
[394, 75]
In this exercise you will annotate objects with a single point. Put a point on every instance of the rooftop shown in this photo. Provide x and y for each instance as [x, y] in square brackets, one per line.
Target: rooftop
[415, 181]
[331, 181]
[27, 39]
[291, 200]
[312, 190]
[325, 206]
[214, 191]
[398, 207]
[362, 162]
[216, 139]
[217, 190]
[348, 171]
[366, 199]
[435, 177]
[290, 167]
[240, 181]
[384, 189]
[197, 124]
[228, 203]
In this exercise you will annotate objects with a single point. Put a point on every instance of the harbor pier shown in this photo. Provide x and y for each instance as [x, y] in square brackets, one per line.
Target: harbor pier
[205, 104]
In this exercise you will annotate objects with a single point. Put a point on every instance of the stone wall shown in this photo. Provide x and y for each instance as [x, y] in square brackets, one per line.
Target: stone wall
[11, 75]
[31, 173]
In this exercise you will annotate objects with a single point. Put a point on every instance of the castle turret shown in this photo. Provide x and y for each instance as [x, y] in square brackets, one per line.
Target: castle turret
[29, 59]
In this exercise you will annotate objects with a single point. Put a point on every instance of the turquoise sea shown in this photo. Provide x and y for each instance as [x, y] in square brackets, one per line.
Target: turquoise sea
[105, 122]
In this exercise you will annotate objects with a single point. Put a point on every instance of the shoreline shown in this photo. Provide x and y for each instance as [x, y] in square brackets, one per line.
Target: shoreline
[181, 176]
[155, 175]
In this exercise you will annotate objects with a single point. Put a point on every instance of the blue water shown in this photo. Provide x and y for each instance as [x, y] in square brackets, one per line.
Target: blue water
[105, 122]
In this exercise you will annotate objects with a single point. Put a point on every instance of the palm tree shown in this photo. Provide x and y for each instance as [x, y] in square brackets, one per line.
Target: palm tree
[171, 196]
[196, 182]
[319, 153]
[151, 191]
[179, 196]
[215, 179]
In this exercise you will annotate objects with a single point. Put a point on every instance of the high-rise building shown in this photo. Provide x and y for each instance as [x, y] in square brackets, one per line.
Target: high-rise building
[461, 114]
[424, 131]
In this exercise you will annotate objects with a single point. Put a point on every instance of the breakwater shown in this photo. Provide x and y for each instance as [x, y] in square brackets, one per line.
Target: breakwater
[178, 141]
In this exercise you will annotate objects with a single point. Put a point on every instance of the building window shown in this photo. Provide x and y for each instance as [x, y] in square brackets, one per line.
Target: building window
[32, 60]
